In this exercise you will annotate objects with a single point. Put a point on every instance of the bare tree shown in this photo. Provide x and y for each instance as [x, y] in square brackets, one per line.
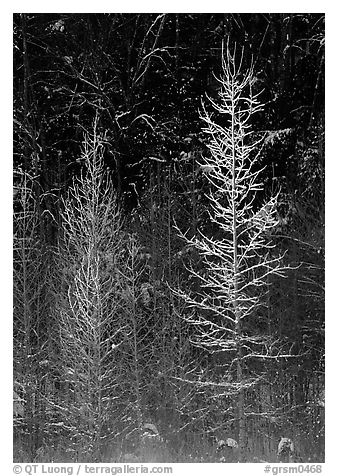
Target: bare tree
[26, 270]
[137, 347]
[229, 309]
[89, 305]
[31, 325]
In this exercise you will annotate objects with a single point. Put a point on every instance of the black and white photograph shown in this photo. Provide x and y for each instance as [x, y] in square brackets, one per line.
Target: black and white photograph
[168, 238]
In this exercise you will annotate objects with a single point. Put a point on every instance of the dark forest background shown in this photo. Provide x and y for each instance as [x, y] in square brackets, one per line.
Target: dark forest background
[120, 95]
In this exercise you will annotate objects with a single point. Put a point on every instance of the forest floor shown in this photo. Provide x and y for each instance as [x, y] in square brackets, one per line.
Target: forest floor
[160, 454]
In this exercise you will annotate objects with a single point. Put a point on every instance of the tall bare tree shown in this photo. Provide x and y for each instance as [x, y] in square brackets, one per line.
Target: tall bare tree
[239, 256]
[89, 307]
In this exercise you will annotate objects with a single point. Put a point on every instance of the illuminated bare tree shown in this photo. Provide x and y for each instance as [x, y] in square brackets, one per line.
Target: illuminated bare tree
[229, 309]
[89, 304]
